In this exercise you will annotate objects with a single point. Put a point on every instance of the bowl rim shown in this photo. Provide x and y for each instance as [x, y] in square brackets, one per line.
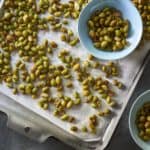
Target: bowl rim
[131, 114]
[116, 57]
[1, 3]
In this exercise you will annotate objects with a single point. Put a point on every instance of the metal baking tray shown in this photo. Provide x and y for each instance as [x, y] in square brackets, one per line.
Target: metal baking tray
[27, 118]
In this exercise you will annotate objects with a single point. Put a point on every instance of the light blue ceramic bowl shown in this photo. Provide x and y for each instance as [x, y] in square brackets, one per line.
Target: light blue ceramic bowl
[1, 3]
[129, 12]
[143, 98]
[1, 6]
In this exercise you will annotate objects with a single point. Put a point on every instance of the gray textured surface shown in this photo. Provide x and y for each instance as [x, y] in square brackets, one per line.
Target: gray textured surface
[9, 140]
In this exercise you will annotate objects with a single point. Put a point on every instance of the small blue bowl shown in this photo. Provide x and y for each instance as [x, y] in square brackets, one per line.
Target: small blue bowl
[143, 98]
[129, 12]
[1, 6]
[1, 3]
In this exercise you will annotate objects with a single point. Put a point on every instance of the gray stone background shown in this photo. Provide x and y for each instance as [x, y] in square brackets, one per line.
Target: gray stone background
[9, 140]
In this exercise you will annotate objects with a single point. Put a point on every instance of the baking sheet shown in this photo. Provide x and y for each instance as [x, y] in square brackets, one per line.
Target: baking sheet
[130, 67]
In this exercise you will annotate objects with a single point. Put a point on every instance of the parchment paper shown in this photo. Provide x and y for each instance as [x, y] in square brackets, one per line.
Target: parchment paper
[130, 67]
